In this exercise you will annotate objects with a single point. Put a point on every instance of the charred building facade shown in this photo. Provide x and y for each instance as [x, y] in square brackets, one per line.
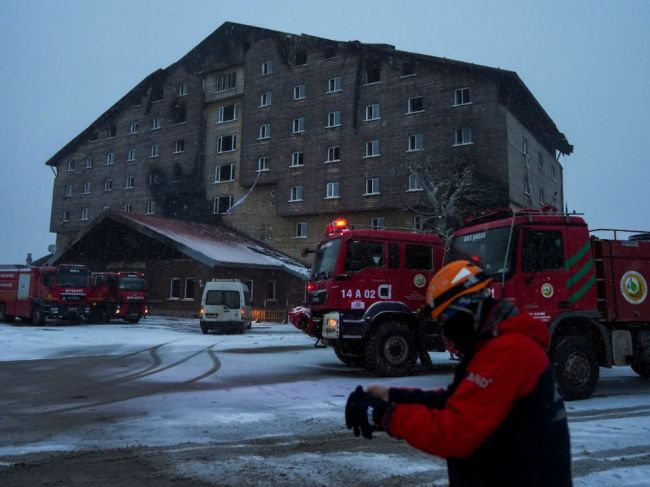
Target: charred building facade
[294, 130]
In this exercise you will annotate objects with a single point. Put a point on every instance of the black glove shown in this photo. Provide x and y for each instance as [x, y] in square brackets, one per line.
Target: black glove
[364, 413]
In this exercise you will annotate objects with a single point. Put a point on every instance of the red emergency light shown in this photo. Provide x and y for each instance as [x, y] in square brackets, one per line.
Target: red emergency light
[338, 225]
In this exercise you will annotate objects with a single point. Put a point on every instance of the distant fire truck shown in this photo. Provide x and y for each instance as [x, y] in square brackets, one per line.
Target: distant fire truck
[592, 292]
[118, 295]
[36, 293]
[363, 293]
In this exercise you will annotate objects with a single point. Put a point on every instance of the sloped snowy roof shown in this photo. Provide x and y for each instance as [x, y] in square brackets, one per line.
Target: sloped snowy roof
[213, 245]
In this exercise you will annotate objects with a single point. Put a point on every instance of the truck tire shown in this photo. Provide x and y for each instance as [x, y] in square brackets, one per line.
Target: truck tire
[3, 313]
[576, 367]
[349, 357]
[133, 321]
[642, 368]
[390, 349]
[36, 316]
[204, 329]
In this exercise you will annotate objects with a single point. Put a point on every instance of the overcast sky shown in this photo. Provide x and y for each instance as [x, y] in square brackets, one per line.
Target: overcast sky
[63, 63]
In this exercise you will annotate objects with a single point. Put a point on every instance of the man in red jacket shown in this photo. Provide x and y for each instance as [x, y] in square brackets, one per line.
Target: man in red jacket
[501, 421]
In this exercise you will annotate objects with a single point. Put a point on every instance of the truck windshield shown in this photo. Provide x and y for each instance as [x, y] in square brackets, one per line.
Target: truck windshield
[229, 299]
[325, 260]
[72, 277]
[487, 249]
[132, 284]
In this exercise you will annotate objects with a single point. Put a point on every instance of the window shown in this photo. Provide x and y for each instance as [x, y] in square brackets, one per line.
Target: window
[130, 182]
[227, 143]
[393, 255]
[408, 68]
[298, 92]
[553, 172]
[133, 128]
[224, 173]
[264, 131]
[87, 187]
[542, 250]
[94, 135]
[157, 92]
[415, 104]
[333, 154]
[262, 164]
[297, 159]
[85, 214]
[112, 131]
[179, 146]
[152, 179]
[540, 161]
[175, 288]
[462, 97]
[415, 142]
[267, 67]
[372, 148]
[71, 165]
[89, 162]
[270, 291]
[332, 190]
[298, 125]
[66, 215]
[334, 119]
[524, 146]
[151, 207]
[226, 82]
[373, 72]
[155, 150]
[182, 89]
[417, 222]
[128, 208]
[179, 113]
[227, 113]
[419, 257]
[377, 223]
[131, 155]
[156, 123]
[301, 230]
[330, 52]
[265, 99]
[361, 255]
[301, 58]
[372, 186]
[108, 184]
[68, 191]
[296, 193]
[110, 159]
[190, 286]
[414, 183]
[222, 204]
[541, 195]
[463, 136]
[334, 84]
[372, 112]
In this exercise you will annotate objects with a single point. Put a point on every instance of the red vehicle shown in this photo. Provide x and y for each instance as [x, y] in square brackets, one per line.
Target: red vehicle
[592, 292]
[363, 293]
[118, 295]
[37, 293]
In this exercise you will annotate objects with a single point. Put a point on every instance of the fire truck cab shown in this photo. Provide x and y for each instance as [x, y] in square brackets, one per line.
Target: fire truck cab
[363, 293]
[119, 295]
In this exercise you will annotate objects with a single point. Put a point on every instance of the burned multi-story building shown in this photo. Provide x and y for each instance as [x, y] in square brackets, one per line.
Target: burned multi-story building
[275, 134]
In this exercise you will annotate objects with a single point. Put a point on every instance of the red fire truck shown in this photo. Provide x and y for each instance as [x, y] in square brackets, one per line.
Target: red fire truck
[363, 292]
[592, 292]
[36, 293]
[118, 295]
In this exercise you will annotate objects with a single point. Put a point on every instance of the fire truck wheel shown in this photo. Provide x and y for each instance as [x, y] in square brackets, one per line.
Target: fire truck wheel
[576, 367]
[642, 368]
[3, 313]
[133, 321]
[349, 357]
[36, 316]
[390, 349]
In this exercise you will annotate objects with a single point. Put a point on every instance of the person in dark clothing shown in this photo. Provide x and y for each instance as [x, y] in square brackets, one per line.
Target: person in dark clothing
[501, 421]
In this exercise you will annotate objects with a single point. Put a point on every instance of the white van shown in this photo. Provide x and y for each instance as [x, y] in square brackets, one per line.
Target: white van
[226, 306]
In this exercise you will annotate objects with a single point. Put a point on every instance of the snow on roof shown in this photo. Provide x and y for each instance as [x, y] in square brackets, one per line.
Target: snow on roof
[219, 245]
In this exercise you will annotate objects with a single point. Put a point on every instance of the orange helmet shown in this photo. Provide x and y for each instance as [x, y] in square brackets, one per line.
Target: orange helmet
[456, 279]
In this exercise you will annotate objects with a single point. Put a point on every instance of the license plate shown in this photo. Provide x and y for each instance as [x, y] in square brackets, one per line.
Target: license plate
[212, 315]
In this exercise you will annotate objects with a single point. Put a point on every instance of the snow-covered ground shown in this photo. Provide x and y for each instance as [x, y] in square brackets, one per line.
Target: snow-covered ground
[168, 386]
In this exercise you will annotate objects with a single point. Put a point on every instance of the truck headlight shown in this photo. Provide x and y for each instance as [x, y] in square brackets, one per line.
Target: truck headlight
[331, 325]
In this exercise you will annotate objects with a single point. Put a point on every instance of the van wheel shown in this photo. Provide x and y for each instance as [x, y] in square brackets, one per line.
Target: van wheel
[204, 329]
[3, 313]
[390, 349]
[242, 328]
[642, 368]
[36, 316]
[576, 367]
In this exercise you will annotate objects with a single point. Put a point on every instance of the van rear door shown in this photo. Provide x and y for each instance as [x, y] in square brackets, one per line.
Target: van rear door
[222, 305]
